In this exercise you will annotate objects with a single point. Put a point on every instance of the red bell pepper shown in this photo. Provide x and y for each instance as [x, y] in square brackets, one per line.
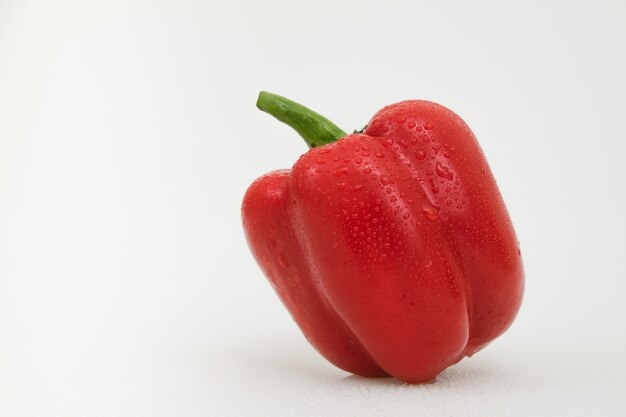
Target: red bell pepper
[391, 248]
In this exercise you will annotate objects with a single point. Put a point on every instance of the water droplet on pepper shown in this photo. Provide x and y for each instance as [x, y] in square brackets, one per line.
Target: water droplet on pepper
[444, 172]
[430, 212]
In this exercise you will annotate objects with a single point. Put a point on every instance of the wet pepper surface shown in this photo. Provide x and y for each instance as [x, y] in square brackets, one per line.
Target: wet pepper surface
[392, 248]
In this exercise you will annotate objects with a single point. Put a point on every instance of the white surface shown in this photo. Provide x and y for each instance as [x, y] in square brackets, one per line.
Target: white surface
[128, 135]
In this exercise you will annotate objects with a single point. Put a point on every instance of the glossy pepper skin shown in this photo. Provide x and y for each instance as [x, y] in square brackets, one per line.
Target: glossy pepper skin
[392, 248]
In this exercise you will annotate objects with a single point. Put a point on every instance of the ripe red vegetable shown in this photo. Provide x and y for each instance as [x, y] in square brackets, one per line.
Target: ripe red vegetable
[392, 248]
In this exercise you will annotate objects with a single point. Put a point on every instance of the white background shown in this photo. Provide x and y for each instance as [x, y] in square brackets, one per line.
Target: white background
[128, 135]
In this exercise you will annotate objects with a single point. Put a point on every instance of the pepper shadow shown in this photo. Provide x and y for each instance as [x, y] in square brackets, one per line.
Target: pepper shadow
[457, 375]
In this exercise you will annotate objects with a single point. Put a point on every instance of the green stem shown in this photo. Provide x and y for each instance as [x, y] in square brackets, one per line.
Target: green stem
[316, 130]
